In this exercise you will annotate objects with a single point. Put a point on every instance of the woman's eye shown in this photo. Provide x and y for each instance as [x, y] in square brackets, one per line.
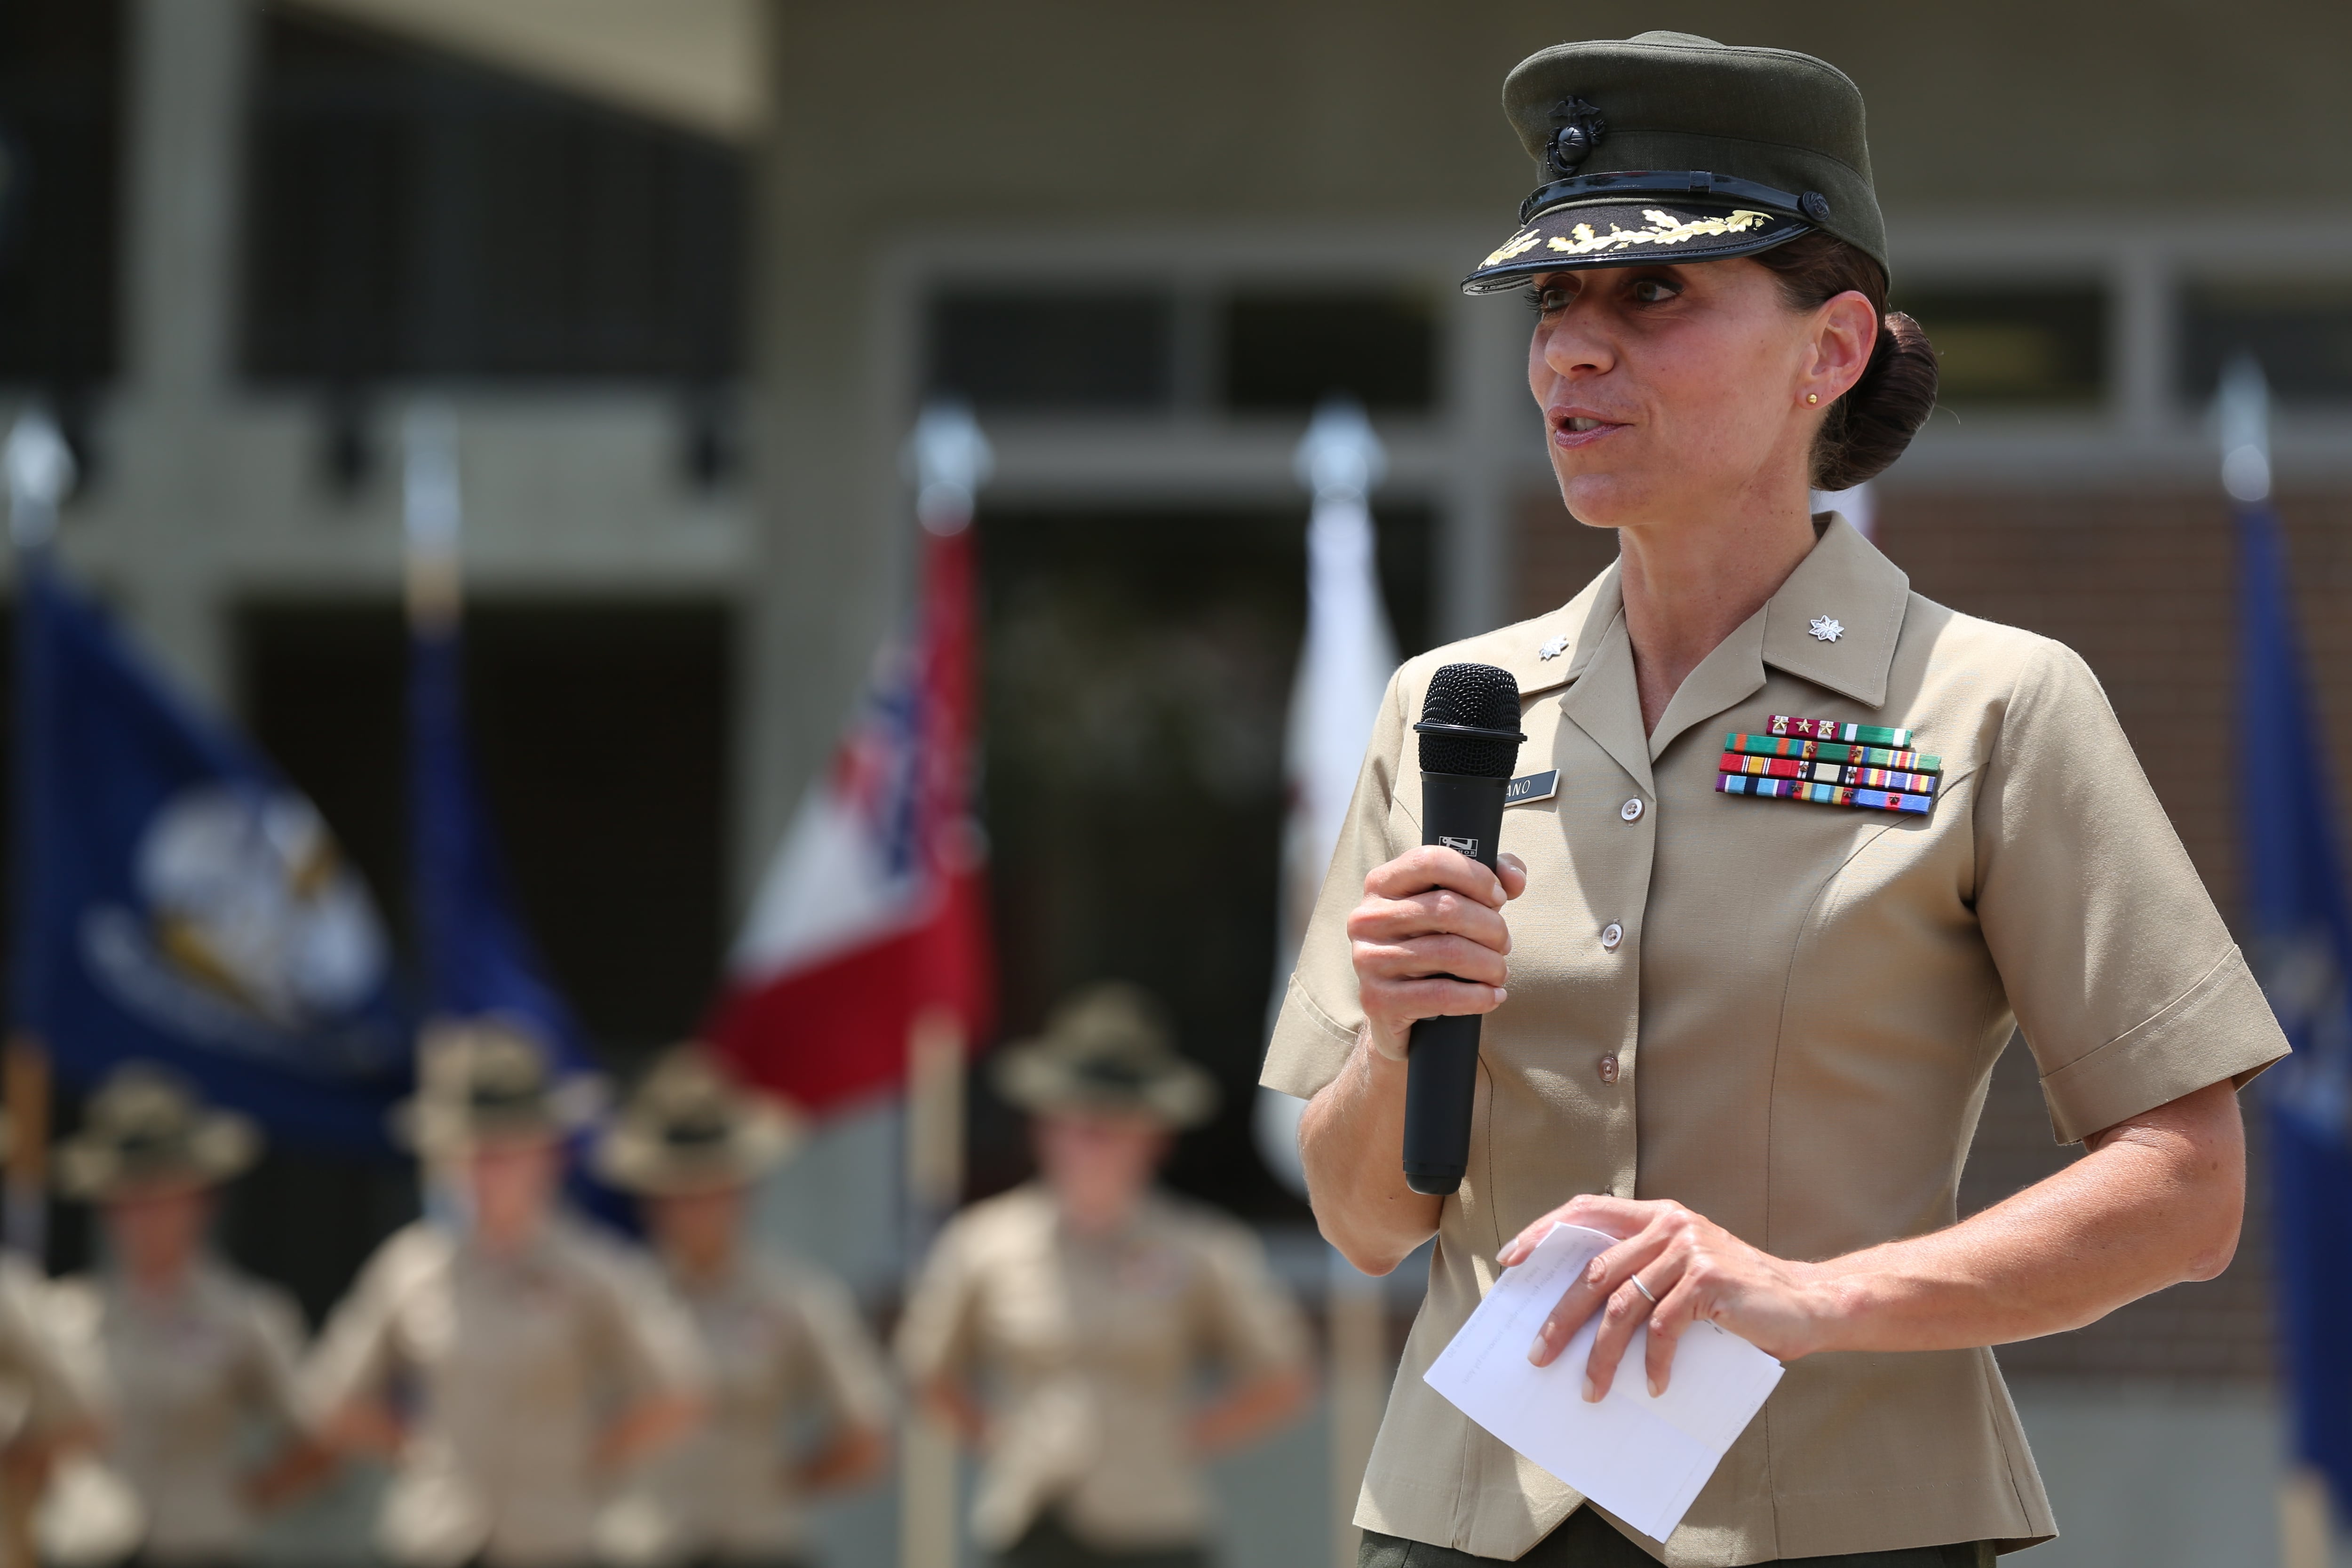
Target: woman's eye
[1548, 300]
[1654, 291]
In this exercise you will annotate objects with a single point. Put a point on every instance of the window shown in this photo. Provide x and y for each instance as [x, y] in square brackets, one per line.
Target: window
[61, 70]
[1036, 349]
[2300, 332]
[413, 216]
[1286, 353]
[1139, 665]
[2023, 346]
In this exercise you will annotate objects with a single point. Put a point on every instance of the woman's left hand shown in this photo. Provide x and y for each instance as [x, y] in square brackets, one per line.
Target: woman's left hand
[1694, 1268]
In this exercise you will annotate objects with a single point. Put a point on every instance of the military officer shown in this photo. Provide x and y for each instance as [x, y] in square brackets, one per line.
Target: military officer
[1092, 1301]
[783, 1339]
[511, 1362]
[1797, 850]
[45, 1412]
[185, 1356]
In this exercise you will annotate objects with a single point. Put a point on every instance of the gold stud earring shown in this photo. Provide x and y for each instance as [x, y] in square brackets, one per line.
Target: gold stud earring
[1812, 397]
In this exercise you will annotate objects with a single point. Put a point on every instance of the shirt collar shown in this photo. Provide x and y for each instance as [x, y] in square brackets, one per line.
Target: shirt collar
[1835, 621]
[1854, 595]
[1844, 579]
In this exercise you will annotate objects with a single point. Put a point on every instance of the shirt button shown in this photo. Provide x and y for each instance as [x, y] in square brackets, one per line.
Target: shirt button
[1611, 934]
[1632, 810]
[1609, 1068]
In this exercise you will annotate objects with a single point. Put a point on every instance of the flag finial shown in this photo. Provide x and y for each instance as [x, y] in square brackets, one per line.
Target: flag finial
[432, 511]
[41, 468]
[950, 459]
[2241, 414]
[1340, 458]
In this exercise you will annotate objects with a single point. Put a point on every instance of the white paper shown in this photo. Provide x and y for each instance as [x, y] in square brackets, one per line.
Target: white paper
[1643, 1459]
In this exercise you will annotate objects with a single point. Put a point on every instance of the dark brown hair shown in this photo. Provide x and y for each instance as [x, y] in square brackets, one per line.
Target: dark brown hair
[1868, 428]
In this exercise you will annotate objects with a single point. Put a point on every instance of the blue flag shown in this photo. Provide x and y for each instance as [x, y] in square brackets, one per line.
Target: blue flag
[2301, 929]
[176, 900]
[477, 959]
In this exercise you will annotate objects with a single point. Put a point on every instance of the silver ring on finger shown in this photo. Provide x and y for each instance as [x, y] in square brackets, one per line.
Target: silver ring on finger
[1636, 1280]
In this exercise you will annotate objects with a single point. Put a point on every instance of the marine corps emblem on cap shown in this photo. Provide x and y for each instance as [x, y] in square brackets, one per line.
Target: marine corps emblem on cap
[1670, 147]
[1580, 130]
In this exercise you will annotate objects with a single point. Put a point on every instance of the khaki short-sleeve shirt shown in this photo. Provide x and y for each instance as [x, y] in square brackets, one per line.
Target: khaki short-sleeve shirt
[1784, 1014]
[506, 1369]
[1092, 1346]
[783, 1341]
[181, 1382]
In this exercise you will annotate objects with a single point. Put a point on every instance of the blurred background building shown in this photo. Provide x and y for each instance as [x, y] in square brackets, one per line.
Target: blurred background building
[685, 269]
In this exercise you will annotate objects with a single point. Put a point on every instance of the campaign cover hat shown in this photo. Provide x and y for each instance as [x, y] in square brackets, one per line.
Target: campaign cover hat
[145, 1129]
[692, 1127]
[1107, 1050]
[488, 1079]
[1671, 147]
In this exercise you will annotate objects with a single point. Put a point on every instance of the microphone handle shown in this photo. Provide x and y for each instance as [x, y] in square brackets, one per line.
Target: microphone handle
[1442, 1054]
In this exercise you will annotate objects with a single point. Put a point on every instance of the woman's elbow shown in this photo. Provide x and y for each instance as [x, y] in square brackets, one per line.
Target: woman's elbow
[2221, 1221]
[1369, 1250]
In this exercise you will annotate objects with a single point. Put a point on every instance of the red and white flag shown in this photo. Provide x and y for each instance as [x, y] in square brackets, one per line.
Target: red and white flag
[874, 911]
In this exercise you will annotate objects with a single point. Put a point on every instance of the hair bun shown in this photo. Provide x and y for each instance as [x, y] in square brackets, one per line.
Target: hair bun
[1873, 423]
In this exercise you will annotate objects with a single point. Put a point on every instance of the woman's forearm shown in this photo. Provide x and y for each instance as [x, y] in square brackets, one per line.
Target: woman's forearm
[1352, 1142]
[2157, 1201]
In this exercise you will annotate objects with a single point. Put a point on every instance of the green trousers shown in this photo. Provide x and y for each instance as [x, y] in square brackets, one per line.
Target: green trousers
[1585, 1540]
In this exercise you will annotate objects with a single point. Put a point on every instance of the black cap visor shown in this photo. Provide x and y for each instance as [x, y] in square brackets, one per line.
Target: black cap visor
[1629, 230]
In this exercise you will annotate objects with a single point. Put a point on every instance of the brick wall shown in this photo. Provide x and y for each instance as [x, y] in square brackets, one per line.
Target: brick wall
[2141, 585]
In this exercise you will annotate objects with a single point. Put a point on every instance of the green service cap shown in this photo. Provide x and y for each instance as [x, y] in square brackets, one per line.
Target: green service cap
[1676, 148]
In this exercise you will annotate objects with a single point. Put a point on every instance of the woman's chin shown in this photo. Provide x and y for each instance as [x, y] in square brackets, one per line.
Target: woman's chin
[1603, 501]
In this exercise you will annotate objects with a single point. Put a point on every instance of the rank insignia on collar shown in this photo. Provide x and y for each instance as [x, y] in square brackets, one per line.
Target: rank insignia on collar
[1554, 648]
[1868, 766]
[1827, 628]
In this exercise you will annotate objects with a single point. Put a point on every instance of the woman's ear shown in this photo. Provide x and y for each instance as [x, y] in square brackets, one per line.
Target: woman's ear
[1846, 332]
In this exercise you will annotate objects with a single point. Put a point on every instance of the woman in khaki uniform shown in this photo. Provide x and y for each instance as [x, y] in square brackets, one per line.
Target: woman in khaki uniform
[783, 1339]
[511, 1362]
[1089, 1303]
[185, 1357]
[1799, 849]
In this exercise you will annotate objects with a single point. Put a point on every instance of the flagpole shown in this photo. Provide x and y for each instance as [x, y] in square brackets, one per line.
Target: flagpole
[1344, 664]
[40, 474]
[2242, 416]
[432, 595]
[950, 459]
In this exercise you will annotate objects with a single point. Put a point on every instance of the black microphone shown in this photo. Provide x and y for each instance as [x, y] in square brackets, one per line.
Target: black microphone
[1470, 739]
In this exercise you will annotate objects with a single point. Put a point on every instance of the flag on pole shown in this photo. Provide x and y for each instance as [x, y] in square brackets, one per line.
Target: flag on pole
[175, 900]
[477, 959]
[2300, 928]
[874, 911]
[1344, 664]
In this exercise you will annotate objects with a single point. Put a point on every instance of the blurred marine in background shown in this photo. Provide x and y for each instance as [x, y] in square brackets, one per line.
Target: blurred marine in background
[512, 1362]
[1091, 1302]
[185, 1357]
[784, 1340]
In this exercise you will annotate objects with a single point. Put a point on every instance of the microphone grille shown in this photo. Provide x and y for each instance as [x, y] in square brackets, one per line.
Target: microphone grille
[1482, 697]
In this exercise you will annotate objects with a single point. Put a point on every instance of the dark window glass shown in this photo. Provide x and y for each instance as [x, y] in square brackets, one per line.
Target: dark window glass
[1286, 353]
[2300, 331]
[414, 215]
[2023, 346]
[1138, 665]
[598, 724]
[1064, 351]
[60, 118]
